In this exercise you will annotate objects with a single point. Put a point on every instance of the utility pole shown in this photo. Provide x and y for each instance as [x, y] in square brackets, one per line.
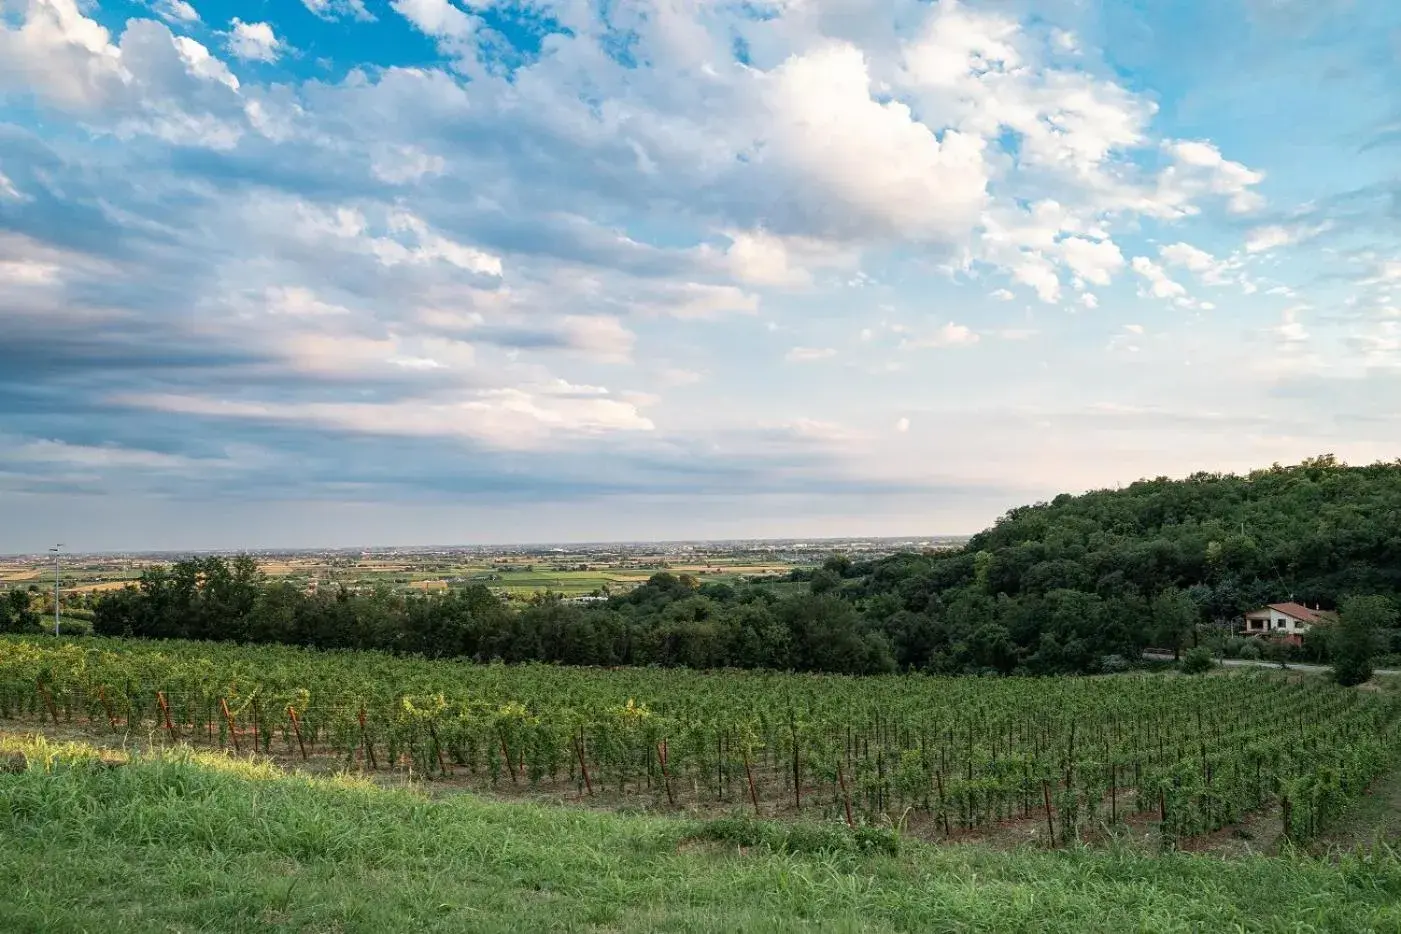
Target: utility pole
[56, 549]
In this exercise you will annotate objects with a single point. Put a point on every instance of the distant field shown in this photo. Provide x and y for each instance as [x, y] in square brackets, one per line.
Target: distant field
[514, 575]
[96, 587]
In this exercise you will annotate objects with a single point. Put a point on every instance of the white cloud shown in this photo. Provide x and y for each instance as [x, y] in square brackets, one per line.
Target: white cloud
[902, 425]
[28, 272]
[8, 189]
[199, 62]
[809, 354]
[254, 42]
[1002, 295]
[403, 164]
[516, 418]
[431, 247]
[438, 18]
[1035, 270]
[299, 302]
[702, 301]
[1094, 261]
[175, 11]
[757, 257]
[1206, 267]
[950, 335]
[878, 171]
[1291, 329]
[61, 55]
[335, 9]
[1199, 168]
[1273, 236]
[603, 337]
[1160, 284]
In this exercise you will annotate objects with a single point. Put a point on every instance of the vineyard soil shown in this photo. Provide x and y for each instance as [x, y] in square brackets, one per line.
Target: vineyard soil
[178, 841]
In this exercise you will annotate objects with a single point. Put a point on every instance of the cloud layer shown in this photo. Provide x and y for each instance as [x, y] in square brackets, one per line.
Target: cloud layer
[576, 256]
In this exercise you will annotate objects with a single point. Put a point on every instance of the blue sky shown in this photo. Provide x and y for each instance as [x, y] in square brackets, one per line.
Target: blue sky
[340, 272]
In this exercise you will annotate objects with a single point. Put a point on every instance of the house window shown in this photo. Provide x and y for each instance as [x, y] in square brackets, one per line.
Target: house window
[1279, 624]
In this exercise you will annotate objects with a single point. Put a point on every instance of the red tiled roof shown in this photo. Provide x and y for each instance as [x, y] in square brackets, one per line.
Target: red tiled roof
[1298, 611]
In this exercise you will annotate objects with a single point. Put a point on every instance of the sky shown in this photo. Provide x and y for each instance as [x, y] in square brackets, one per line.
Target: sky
[357, 272]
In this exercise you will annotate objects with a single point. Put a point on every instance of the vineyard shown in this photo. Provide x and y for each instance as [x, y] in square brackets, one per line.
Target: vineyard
[1069, 757]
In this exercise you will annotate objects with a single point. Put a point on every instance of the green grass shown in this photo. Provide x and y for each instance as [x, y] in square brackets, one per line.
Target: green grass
[178, 841]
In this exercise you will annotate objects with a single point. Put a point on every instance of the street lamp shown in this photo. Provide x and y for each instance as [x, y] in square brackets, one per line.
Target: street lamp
[55, 552]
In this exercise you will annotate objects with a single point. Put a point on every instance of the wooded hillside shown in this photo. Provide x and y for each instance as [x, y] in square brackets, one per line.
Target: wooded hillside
[1059, 582]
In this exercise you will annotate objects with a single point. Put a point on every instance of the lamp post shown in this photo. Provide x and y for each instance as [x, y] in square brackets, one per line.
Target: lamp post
[55, 551]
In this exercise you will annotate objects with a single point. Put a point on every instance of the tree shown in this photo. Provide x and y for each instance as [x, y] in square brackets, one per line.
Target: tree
[1174, 617]
[824, 581]
[17, 613]
[1354, 639]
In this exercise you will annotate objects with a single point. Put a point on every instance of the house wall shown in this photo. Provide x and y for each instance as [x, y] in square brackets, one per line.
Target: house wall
[1275, 622]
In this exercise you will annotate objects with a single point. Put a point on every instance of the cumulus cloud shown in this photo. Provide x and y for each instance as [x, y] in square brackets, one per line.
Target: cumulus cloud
[464, 250]
[1199, 169]
[1158, 283]
[889, 173]
[757, 257]
[254, 42]
[1206, 267]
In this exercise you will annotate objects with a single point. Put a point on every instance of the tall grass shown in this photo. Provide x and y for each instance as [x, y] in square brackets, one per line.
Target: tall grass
[174, 840]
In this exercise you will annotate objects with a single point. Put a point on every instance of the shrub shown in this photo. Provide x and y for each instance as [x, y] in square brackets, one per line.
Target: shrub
[1197, 661]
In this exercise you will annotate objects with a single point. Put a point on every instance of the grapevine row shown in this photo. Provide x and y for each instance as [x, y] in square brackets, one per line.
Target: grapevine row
[1064, 755]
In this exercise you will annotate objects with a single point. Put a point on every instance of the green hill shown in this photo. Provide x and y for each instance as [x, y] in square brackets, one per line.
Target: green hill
[1057, 586]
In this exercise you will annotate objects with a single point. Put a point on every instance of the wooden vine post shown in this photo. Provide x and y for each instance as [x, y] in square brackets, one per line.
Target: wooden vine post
[257, 747]
[48, 700]
[797, 769]
[583, 766]
[297, 729]
[107, 707]
[749, 774]
[367, 749]
[228, 718]
[1050, 822]
[442, 762]
[165, 713]
[846, 797]
[666, 773]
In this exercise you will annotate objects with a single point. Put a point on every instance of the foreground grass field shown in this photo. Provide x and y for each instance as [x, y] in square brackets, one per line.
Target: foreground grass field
[178, 841]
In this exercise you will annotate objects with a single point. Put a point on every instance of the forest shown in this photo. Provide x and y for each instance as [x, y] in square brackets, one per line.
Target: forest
[1078, 584]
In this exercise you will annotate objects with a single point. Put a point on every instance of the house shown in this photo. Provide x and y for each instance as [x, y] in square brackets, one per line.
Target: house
[1288, 621]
